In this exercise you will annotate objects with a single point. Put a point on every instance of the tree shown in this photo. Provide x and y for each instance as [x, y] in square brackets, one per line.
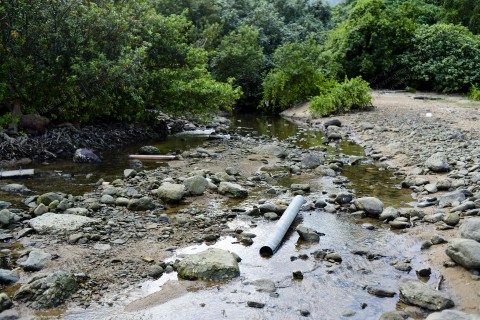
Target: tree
[241, 57]
[444, 57]
[464, 12]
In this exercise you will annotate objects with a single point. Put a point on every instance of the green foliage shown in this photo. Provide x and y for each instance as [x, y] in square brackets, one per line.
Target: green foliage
[353, 94]
[474, 93]
[464, 12]
[79, 60]
[5, 120]
[371, 38]
[444, 57]
[299, 73]
[241, 57]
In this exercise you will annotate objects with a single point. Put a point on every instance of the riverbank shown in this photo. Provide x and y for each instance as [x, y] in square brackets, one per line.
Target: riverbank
[403, 131]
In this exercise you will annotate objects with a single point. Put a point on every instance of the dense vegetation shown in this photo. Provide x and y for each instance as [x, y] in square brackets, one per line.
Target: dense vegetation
[84, 60]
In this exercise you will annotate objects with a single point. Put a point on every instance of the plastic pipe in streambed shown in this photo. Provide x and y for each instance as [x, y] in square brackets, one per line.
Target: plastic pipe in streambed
[281, 227]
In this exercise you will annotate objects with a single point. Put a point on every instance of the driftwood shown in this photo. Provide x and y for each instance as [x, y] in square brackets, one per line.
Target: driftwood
[16, 173]
[151, 157]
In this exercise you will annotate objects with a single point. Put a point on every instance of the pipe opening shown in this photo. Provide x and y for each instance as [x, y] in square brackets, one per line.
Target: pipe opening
[266, 251]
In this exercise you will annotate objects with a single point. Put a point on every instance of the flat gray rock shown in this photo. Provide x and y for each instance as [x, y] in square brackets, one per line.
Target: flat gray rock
[170, 192]
[372, 206]
[211, 264]
[36, 260]
[51, 222]
[470, 229]
[465, 252]
[452, 315]
[196, 185]
[438, 162]
[232, 190]
[419, 294]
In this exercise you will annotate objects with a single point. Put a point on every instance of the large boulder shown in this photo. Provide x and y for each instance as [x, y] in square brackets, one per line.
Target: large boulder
[232, 190]
[7, 217]
[416, 293]
[452, 315]
[195, 185]
[8, 276]
[451, 198]
[15, 188]
[438, 162]
[49, 197]
[47, 291]
[465, 252]
[211, 264]
[36, 260]
[142, 204]
[389, 213]
[51, 222]
[170, 192]
[371, 205]
[33, 123]
[85, 156]
[308, 234]
[312, 160]
[149, 150]
[470, 229]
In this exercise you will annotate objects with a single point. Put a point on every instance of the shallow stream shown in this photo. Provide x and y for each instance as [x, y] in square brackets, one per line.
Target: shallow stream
[328, 290]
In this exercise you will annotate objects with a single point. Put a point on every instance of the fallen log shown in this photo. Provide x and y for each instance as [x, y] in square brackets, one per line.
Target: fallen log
[151, 157]
[16, 173]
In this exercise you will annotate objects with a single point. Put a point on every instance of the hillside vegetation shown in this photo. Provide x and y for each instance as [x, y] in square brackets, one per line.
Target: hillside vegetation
[85, 60]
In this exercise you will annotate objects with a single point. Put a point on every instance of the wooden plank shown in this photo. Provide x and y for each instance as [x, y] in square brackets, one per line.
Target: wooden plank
[16, 173]
[151, 157]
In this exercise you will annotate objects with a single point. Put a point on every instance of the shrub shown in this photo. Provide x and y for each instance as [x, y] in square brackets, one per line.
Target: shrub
[345, 96]
[474, 93]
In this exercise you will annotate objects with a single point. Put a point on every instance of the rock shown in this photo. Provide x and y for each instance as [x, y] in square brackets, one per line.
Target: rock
[402, 266]
[336, 257]
[393, 315]
[129, 173]
[5, 204]
[264, 285]
[424, 272]
[51, 222]
[451, 218]
[470, 229]
[8, 276]
[15, 188]
[434, 218]
[232, 190]
[366, 126]
[271, 215]
[452, 315]
[47, 291]
[438, 162]
[9, 314]
[312, 160]
[389, 213]
[107, 199]
[444, 184]
[372, 206]
[300, 186]
[344, 198]
[431, 188]
[399, 224]
[308, 234]
[33, 123]
[195, 185]
[211, 264]
[40, 209]
[49, 197]
[78, 211]
[448, 199]
[380, 292]
[438, 239]
[419, 294]
[254, 304]
[5, 302]
[36, 260]
[325, 171]
[85, 156]
[155, 271]
[122, 202]
[7, 217]
[465, 252]
[149, 150]
[142, 204]
[170, 192]
[464, 206]
[333, 122]
[297, 275]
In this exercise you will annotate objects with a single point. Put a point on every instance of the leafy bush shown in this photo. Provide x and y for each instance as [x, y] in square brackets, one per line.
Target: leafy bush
[474, 93]
[345, 96]
[443, 57]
